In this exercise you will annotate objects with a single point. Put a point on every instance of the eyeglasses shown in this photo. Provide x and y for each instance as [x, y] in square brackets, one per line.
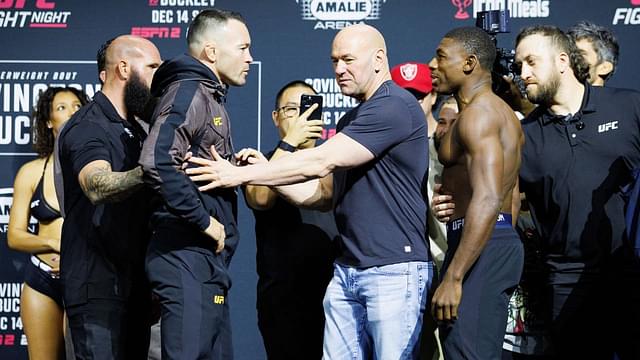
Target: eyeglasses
[289, 110]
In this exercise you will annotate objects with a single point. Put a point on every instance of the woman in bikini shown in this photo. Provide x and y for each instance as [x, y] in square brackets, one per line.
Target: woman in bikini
[34, 198]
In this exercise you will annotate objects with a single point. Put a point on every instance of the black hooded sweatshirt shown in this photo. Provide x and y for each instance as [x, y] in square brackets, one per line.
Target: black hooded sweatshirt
[189, 115]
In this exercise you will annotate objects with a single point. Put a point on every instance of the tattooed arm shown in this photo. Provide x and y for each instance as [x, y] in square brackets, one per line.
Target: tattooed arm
[102, 185]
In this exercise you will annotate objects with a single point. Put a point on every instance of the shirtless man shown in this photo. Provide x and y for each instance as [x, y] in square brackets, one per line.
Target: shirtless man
[481, 158]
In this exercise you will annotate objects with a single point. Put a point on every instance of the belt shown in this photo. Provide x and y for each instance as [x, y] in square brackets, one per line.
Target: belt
[503, 221]
[41, 264]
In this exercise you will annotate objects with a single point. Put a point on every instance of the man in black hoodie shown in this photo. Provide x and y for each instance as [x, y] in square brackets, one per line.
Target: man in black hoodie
[195, 233]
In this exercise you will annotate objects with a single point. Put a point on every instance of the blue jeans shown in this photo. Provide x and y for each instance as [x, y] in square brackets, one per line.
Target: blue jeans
[376, 312]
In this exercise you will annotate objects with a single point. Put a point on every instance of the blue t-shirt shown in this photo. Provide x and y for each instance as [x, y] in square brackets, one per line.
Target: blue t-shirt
[380, 209]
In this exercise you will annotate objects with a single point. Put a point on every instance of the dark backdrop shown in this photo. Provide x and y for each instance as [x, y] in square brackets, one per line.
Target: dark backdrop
[53, 42]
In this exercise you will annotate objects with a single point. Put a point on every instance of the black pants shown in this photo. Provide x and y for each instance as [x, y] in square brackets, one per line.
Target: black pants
[478, 332]
[594, 316]
[110, 329]
[290, 312]
[191, 283]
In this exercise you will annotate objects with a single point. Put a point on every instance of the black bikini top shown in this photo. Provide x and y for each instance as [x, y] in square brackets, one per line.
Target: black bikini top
[40, 208]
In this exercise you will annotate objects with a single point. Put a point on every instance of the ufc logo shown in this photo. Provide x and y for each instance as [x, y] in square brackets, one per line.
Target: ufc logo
[457, 224]
[19, 4]
[613, 125]
[218, 299]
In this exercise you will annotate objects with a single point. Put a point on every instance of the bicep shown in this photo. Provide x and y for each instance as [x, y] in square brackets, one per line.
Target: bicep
[344, 152]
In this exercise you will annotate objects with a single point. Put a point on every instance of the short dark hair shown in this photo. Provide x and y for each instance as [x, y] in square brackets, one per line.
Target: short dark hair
[562, 42]
[476, 42]
[603, 40]
[291, 84]
[41, 133]
[208, 18]
[101, 55]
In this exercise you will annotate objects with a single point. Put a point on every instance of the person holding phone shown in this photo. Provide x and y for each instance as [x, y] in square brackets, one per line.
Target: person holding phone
[306, 101]
[295, 247]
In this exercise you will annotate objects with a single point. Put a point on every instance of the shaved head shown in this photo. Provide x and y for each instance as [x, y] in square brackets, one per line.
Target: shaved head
[359, 56]
[129, 65]
[363, 35]
[128, 47]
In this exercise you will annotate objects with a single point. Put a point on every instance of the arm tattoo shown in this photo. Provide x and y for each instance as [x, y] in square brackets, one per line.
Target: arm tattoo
[101, 185]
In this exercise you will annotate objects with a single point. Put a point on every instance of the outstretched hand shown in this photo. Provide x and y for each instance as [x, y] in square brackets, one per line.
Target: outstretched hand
[217, 172]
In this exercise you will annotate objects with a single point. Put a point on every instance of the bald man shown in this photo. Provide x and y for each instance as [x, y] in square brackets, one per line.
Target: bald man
[371, 174]
[103, 237]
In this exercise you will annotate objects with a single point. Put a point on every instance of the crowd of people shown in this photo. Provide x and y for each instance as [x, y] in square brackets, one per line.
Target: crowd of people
[353, 257]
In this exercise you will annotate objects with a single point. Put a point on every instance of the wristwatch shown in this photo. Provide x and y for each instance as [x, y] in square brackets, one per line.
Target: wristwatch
[286, 146]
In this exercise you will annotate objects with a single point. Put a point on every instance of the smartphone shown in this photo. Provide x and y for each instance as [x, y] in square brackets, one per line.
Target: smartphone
[305, 103]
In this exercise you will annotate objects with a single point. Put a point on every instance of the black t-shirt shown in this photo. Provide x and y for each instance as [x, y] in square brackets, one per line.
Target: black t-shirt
[100, 243]
[294, 247]
[572, 172]
[379, 206]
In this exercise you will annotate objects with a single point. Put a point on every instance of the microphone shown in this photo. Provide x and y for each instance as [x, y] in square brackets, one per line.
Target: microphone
[580, 125]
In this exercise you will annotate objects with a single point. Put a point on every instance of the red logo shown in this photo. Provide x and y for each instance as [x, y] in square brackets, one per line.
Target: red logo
[462, 5]
[19, 4]
[635, 2]
[162, 32]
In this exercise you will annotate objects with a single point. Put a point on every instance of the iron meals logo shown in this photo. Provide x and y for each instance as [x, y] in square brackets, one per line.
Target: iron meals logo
[338, 14]
[517, 8]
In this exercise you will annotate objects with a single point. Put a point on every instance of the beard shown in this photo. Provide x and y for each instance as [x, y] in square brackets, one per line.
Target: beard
[136, 95]
[545, 92]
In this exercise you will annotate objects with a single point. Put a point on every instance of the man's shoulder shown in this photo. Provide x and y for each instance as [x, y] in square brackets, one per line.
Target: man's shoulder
[391, 93]
[87, 118]
[486, 108]
[615, 97]
[184, 94]
[392, 101]
[534, 117]
[614, 91]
